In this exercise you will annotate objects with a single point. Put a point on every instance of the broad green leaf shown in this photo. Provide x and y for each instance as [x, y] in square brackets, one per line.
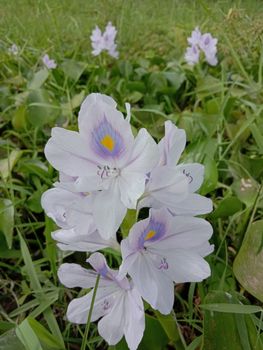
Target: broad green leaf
[225, 330]
[232, 308]
[19, 120]
[7, 164]
[27, 336]
[42, 108]
[47, 340]
[73, 69]
[6, 253]
[38, 79]
[128, 222]
[227, 207]
[157, 82]
[248, 264]
[10, 341]
[74, 102]
[246, 190]
[7, 220]
[211, 176]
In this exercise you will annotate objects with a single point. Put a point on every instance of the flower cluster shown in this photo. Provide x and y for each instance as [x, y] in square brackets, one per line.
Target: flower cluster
[201, 43]
[104, 41]
[104, 171]
[48, 62]
[13, 50]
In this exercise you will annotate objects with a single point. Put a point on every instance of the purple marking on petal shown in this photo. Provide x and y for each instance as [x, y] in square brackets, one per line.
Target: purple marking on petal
[163, 264]
[103, 271]
[105, 129]
[106, 305]
[156, 227]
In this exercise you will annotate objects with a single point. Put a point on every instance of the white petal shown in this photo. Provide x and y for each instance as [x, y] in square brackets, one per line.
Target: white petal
[73, 275]
[166, 186]
[144, 155]
[90, 100]
[172, 144]
[134, 319]
[194, 172]
[131, 187]
[186, 266]
[111, 326]
[128, 112]
[153, 285]
[72, 240]
[68, 152]
[55, 203]
[143, 279]
[193, 204]
[78, 309]
[108, 211]
[184, 232]
[93, 115]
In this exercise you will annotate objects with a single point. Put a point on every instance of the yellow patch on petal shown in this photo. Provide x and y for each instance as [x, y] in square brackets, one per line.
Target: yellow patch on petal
[150, 235]
[108, 142]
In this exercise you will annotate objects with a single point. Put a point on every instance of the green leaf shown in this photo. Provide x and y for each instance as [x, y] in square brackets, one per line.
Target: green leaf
[227, 207]
[47, 340]
[7, 164]
[128, 222]
[42, 108]
[232, 308]
[10, 341]
[246, 190]
[249, 261]
[226, 327]
[7, 220]
[38, 79]
[211, 176]
[19, 120]
[73, 69]
[27, 336]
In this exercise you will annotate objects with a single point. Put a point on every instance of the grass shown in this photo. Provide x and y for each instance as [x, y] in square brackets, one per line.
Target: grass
[221, 110]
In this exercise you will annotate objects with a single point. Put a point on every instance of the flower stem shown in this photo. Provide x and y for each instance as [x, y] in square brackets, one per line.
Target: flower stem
[85, 338]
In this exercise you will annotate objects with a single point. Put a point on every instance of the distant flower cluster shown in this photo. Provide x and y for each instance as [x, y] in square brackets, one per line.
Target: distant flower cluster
[104, 171]
[48, 62]
[104, 41]
[201, 43]
[14, 50]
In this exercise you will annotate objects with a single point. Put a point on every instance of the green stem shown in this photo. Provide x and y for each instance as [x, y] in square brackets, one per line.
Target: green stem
[85, 338]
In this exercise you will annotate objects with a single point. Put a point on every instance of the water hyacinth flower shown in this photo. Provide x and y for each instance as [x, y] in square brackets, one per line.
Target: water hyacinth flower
[104, 41]
[105, 159]
[48, 62]
[14, 50]
[72, 213]
[162, 250]
[118, 304]
[201, 43]
[173, 185]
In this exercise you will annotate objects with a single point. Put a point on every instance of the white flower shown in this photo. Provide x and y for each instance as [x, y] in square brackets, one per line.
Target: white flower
[201, 42]
[172, 186]
[106, 159]
[73, 213]
[104, 41]
[163, 249]
[192, 55]
[48, 62]
[14, 50]
[195, 37]
[208, 45]
[117, 302]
